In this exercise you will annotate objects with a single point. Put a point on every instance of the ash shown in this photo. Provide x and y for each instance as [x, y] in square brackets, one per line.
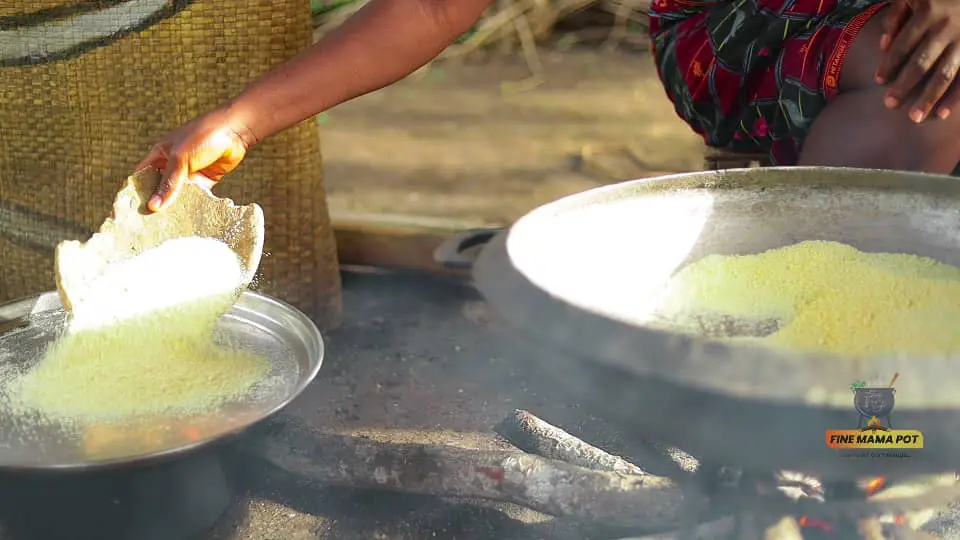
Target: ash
[413, 432]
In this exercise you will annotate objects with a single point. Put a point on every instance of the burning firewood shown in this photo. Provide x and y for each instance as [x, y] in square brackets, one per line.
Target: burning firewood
[890, 502]
[552, 487]
[534, 435]
[591, 490]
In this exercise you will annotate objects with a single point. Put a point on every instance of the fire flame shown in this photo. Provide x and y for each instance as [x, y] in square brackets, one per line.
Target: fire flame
[805, 521]
[875, 485]
[872, 487]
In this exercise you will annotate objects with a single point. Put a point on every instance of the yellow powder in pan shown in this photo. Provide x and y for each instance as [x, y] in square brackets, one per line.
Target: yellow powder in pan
[142, 343]
[829, 297]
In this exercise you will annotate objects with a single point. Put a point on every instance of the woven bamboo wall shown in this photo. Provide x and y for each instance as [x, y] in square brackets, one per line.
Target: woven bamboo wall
[86, 88]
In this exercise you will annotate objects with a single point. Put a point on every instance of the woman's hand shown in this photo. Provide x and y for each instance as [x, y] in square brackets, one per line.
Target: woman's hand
[921, 56]
[203, 150]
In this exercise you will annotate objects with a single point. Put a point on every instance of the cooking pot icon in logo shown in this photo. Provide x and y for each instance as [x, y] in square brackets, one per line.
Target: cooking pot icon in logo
[874, 404]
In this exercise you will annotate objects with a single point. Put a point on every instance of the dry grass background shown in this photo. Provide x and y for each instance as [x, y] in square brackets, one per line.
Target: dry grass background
[540, 99]
[511, 25]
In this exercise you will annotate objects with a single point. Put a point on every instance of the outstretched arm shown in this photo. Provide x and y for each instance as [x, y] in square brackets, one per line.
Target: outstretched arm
[384, 42]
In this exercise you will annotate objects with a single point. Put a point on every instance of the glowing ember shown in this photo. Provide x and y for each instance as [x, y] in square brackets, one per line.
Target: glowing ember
[805, 521]
[875, 485]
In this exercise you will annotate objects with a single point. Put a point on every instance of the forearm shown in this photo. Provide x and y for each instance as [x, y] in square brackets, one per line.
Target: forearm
[384, 42]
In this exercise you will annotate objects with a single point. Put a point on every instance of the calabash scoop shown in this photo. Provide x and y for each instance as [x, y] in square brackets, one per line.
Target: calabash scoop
[132, 229]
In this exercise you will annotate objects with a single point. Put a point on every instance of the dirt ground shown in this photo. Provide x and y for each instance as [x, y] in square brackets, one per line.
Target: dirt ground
[416, 360]
[458, 141]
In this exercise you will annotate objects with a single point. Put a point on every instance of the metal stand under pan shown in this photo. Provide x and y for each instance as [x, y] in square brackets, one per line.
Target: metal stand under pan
[172, 500]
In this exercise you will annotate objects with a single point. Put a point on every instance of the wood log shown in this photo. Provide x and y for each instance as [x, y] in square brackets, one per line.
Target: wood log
[548, 486]
[534, 435]
[683, 461]
[531, 434]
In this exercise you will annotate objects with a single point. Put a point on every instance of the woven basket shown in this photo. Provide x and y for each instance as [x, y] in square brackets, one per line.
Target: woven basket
[87, 87]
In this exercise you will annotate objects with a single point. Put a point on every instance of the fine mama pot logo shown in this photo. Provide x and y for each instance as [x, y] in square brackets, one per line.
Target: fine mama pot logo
[874, 404]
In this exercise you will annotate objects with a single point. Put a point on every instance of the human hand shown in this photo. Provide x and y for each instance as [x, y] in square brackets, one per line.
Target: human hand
[203, 150]
[921, 56]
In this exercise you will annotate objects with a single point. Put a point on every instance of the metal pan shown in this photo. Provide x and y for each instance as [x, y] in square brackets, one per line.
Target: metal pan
[257, 323]
[573, 277]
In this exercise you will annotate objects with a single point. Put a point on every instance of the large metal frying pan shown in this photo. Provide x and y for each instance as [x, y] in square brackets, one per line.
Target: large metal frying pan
[258, 323]
[574, 276]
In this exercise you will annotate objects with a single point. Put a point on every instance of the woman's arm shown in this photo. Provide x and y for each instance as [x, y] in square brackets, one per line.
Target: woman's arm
[384, 42]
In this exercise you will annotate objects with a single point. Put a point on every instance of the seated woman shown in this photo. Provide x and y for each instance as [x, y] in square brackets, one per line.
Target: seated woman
[855, 83]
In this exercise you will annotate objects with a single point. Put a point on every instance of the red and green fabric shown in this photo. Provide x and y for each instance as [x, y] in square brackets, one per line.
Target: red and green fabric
[752, 75]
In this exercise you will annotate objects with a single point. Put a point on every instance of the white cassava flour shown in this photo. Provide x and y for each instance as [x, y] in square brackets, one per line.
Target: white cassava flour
[141, 340]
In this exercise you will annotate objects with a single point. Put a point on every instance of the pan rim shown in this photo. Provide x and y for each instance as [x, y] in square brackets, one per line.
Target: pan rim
[830, 388]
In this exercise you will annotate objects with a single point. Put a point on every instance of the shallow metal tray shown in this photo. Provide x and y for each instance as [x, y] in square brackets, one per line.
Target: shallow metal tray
[257, 323]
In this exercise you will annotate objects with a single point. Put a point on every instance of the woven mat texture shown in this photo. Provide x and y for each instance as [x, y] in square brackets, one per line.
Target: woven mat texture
[87, 87]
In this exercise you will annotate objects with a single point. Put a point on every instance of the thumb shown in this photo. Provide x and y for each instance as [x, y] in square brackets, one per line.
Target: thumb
[170, 183]
[190, 158]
